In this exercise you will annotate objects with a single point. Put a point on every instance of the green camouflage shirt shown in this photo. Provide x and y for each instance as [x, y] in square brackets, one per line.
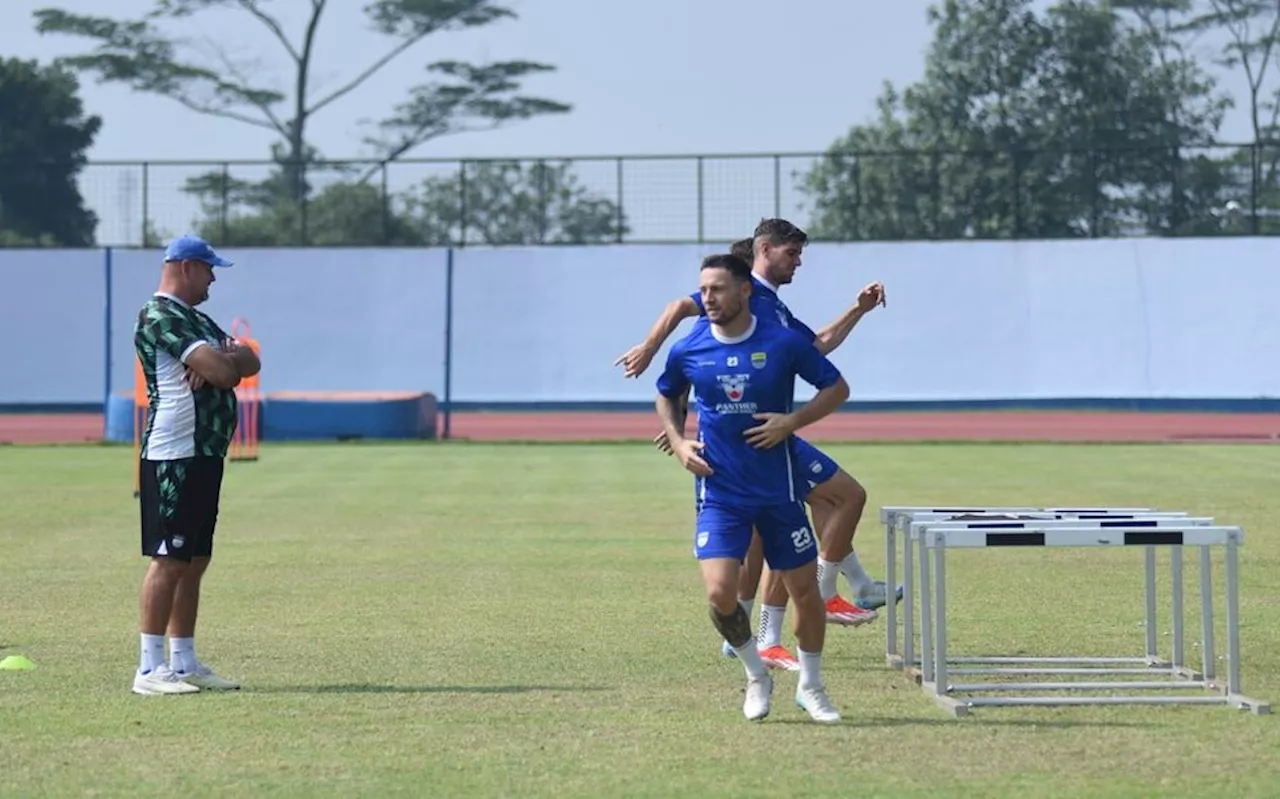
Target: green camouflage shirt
[181, 423]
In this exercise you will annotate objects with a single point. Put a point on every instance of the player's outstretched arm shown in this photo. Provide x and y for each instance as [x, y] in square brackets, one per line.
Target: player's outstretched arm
[635, 360]
[834, 334]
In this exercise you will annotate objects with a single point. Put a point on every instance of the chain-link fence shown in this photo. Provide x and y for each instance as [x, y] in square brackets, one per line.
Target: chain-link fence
[1209, 190]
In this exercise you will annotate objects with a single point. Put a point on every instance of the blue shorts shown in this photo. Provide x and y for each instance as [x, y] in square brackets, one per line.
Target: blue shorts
[725, 532]
[816, 467]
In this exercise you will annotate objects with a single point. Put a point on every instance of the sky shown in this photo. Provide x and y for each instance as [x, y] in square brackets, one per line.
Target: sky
[661, 77]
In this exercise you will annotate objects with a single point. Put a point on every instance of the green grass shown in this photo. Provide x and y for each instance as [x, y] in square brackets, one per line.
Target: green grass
[527, 620]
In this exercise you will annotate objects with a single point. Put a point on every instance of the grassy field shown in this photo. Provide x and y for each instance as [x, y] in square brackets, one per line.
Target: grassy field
[525, 620]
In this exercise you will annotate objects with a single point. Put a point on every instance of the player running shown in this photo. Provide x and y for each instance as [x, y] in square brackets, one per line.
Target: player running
[743, 369]
[836, 498]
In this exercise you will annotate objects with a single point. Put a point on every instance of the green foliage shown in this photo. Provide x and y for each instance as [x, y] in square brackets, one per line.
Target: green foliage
[460, 98]
[1066, 123]
[512, 203]
[44, 134]
[503, 203]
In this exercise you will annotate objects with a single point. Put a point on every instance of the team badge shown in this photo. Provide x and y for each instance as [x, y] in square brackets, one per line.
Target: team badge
[758, 359]
[734, 386]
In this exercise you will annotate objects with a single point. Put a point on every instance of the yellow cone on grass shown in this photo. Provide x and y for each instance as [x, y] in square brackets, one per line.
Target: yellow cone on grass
[16, 663]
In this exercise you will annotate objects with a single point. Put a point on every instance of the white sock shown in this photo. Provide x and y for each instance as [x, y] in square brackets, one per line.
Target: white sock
[182, 654]
[152, 654]
[750, 657]
[855, 574]
[747, 604]
[771, 617]
[828, 571]
[810, 669]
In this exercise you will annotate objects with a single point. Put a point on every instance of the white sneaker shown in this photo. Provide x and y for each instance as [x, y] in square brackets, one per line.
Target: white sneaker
[204, 677]
[816, 703]
[759, 695]
[161, 681]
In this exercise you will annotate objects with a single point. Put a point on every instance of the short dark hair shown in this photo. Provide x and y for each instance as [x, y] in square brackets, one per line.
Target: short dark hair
[744, 249]
[737, 266]
[780, 231]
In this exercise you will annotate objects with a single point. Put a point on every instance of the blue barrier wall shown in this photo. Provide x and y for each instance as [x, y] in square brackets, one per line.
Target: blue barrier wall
[1137, 321]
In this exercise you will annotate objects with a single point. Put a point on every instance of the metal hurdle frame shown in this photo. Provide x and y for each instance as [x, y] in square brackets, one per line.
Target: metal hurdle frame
[937, 529]
[896, 517]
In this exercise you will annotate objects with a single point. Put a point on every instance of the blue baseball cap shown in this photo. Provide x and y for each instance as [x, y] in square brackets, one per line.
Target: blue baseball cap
[193, 248]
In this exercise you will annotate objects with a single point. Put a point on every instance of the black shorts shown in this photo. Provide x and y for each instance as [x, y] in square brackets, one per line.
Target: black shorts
[179, 501]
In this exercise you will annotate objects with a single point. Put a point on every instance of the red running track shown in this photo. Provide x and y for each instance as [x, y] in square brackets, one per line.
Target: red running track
[955, 426]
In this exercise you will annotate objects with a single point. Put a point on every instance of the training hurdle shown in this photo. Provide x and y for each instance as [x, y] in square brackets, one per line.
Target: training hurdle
[894, 517]
[930, 532]
[244, 444]
[141, 407]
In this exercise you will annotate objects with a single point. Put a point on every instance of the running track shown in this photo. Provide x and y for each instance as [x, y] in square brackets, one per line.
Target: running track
[955, 426]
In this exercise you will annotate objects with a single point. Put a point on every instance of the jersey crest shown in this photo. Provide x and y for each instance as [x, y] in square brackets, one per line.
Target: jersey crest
[735, 386]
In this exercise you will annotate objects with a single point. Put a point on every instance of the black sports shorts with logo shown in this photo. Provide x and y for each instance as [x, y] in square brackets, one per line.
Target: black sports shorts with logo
[179, 500]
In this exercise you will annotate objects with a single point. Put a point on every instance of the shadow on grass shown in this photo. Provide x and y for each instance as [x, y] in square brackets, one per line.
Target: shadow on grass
[968, 722]
[367, 688]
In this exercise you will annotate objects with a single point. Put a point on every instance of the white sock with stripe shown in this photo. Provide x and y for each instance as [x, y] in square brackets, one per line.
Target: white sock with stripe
[152, 653]
[771, 618]
[182, 655]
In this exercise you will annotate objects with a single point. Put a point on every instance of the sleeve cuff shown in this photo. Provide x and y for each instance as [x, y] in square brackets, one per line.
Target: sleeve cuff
[187, 352]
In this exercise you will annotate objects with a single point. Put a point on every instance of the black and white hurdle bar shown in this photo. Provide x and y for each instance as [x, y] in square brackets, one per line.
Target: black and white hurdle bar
[1171, 530]
[897, 520]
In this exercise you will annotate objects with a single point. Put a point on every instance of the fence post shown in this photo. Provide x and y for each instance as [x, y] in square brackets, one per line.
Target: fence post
[106, 336]
[303, 230]
[1253, 187]
[146, 202]
[857, 197]
[386, 208]
[448, 345]
[621, 215]
[1017, 194]
[935, 180]
[777, 186]
[1095, 193]
[462, 205]
[701, 221]
[226, 200]
[541, 167]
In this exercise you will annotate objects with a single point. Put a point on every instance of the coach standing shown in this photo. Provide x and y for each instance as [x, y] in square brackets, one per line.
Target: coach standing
[192, 368]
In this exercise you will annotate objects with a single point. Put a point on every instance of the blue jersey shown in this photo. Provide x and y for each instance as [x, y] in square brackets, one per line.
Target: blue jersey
[732, 380]
[765, 304]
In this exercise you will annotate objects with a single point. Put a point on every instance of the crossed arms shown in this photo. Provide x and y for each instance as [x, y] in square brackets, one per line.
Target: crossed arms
[222, 367]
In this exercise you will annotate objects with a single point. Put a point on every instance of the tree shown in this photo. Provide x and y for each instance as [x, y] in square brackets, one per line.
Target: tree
[345, 213]
[44, 135]
[509, 203]
[503, 203]
[1250, 35]
[1065, 123]
[464, 97]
